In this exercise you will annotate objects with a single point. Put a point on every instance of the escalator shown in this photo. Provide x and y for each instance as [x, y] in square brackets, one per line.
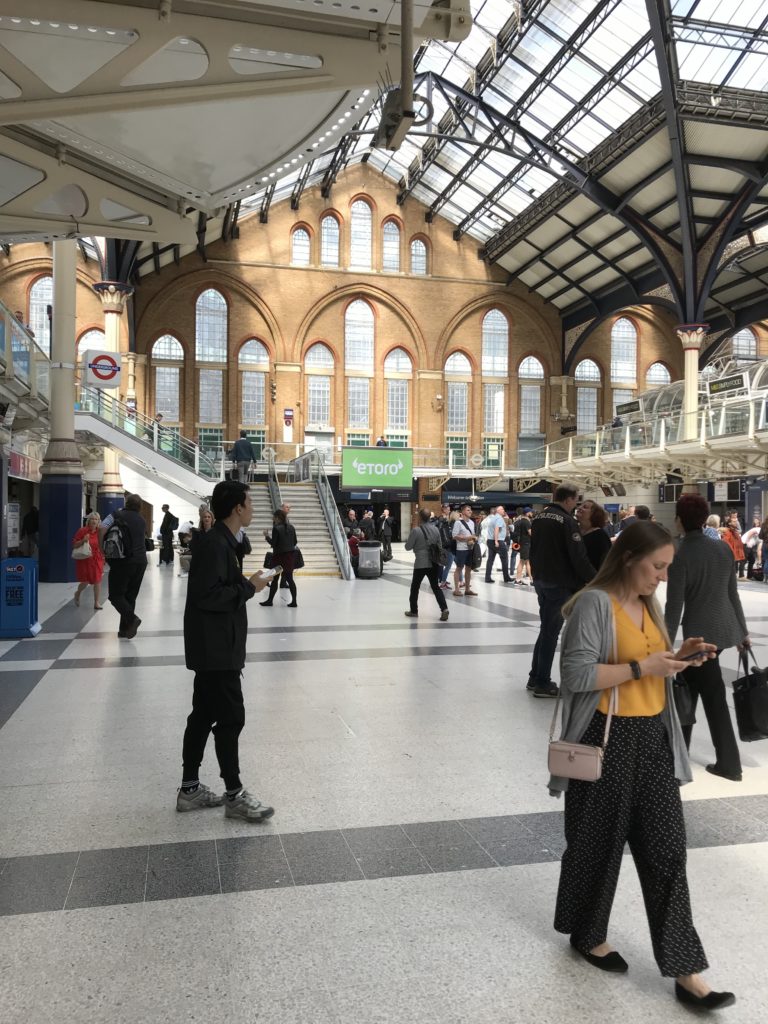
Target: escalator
[157, 452]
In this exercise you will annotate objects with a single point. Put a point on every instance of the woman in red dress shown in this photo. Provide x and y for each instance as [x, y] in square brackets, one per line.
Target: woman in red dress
[90, 570]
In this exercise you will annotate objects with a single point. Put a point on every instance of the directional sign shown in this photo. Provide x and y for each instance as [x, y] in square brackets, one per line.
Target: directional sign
[376, 467]
[102, 369]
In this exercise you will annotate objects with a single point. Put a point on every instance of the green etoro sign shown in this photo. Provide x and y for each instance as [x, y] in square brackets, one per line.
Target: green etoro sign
[376, 467]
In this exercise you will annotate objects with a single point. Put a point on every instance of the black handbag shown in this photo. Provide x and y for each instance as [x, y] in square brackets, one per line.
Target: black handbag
[750, 699]
[149, 544]
[684, 701]
[269, 560]
[298, 559]
[477, 556]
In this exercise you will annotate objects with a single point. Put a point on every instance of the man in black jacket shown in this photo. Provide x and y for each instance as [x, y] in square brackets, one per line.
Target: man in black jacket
[127, 573]
[243, 455]
[386, 522]
[560, 566]
[215, 631]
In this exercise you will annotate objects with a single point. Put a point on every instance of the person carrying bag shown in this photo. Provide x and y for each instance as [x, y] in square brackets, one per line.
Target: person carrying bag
[750, 699]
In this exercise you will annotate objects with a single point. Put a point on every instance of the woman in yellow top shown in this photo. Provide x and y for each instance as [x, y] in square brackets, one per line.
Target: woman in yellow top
[615, 647]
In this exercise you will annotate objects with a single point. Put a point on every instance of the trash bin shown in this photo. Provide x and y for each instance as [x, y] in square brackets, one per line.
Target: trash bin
[370, 564]
[18, 598]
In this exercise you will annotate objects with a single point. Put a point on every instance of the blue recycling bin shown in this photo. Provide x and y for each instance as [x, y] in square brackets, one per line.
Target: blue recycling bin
[18, 598]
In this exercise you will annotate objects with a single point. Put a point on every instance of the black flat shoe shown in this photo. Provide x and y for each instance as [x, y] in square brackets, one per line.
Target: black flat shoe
[714, 770]
[612, 962]
[265, 604]
[711, 1001]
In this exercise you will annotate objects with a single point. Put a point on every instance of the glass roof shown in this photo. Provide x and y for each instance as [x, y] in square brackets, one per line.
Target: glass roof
[569, 72]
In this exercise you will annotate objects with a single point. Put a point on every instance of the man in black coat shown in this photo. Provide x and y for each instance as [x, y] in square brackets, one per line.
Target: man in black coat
[167, 526]
[386, 522]
[127, 573]
[215, 632]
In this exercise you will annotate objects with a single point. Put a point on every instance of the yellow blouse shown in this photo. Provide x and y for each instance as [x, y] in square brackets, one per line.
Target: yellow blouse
[646, 696]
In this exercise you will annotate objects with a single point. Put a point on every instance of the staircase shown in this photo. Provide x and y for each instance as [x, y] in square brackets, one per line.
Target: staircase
[309, 522]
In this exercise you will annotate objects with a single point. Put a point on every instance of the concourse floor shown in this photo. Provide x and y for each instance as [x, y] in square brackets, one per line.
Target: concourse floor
[409, 873]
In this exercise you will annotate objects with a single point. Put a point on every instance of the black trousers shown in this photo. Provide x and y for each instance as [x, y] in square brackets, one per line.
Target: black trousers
[166, 548]
[124, 583]
[707, 682]
[637, 801]
[217, 705]
[386, 547]
[502, 551]
[751, 559]
[433, 575]
[551, 601]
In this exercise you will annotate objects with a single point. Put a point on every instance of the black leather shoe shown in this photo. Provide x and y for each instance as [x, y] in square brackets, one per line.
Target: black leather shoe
[411, 615]
[130, 633]
[714, 770]
[711, 1001]
[612, 962]
[265, 604]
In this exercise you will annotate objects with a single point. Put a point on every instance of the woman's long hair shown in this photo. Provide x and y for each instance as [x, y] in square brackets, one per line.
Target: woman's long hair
[637, 541]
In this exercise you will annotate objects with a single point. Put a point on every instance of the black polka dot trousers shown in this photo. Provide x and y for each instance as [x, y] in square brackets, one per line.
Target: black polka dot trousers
[637, 801]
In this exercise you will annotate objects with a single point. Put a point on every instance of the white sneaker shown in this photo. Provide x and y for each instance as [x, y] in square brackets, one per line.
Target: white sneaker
[202, 797]
[247, 807]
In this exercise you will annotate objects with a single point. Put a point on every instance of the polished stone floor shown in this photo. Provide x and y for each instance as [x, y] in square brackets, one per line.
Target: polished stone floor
[409, 872]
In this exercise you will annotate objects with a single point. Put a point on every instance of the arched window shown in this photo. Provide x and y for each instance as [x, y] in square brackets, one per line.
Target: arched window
[588, 380]
[418, 257]
[360, 235]
[168, 378]
[93, 339]
[253, 353]
[300, 248]
[319, 357]
[588, 371]
[211, 327]
[398, 361]
[657, 376]
[358, 337]
[495, 344]
[457, 365]
[40, 298]
[253, 361]
[530, 369]
[329, 241]
[390, 246]
[168, 347]
[743, 344]
[623, 352]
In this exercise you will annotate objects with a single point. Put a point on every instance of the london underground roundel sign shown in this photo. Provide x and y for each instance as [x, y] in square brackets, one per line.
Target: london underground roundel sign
[102, 369]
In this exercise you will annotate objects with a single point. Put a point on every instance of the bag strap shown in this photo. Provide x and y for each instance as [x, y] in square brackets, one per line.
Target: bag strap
[613, 707]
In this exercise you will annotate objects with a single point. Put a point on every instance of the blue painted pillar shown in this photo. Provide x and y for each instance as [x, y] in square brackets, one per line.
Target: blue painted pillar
[61, 487]
[109, 502]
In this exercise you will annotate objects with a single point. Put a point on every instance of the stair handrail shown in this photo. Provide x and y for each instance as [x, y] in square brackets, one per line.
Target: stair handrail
[310, 467]
[272, 482]
[147, 431]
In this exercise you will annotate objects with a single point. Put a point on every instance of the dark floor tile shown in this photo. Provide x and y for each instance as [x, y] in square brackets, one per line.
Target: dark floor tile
[544, 823]
[15, 690]
[456, 858]
[506, 852]
[504, 826]
[36, 649]
[106, 877]
[393, 863]
[176, 870]
[699, 836]
[755, 806]
[438, 833]
[339, 866]
[256, 862]
[69, 619]
[376, 838]
[727, 820]
[33, 884]
[314, 844]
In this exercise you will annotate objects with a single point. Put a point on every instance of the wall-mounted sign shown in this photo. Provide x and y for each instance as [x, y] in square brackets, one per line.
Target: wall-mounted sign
[738, 382]
[376, 467]
[24, 467]
[628, 407]
[102, 369]
[721, 490]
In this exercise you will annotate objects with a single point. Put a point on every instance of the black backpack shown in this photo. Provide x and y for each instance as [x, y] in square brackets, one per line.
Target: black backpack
[174, 523]
[118, 543]
[434, 549]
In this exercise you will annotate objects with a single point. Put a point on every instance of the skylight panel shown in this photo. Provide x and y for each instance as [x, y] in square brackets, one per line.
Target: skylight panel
[550, 108]
[699, 63]
[752, 73]
[616, 108]
[565, 16]
[644, 79]
[587, 134]
[617, 34]
[537, 48]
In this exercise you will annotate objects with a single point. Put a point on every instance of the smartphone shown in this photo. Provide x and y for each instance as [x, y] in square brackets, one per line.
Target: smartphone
[694, 657]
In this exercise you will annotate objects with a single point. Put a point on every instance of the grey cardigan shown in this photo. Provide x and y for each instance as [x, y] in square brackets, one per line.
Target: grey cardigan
[417, 543]
[589, 640]
[702, 588]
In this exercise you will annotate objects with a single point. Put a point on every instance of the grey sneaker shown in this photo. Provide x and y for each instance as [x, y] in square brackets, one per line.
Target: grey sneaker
[247, 807]
[202, 797]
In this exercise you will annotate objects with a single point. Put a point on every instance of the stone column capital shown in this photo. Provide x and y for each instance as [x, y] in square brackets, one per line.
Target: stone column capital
[113, 295]
[692, 335]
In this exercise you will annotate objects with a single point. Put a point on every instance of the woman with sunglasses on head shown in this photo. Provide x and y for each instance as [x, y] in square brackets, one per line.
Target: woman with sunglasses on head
[616, 657]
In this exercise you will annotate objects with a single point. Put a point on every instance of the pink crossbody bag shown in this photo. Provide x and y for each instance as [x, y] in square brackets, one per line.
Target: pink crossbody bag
[579, 760]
